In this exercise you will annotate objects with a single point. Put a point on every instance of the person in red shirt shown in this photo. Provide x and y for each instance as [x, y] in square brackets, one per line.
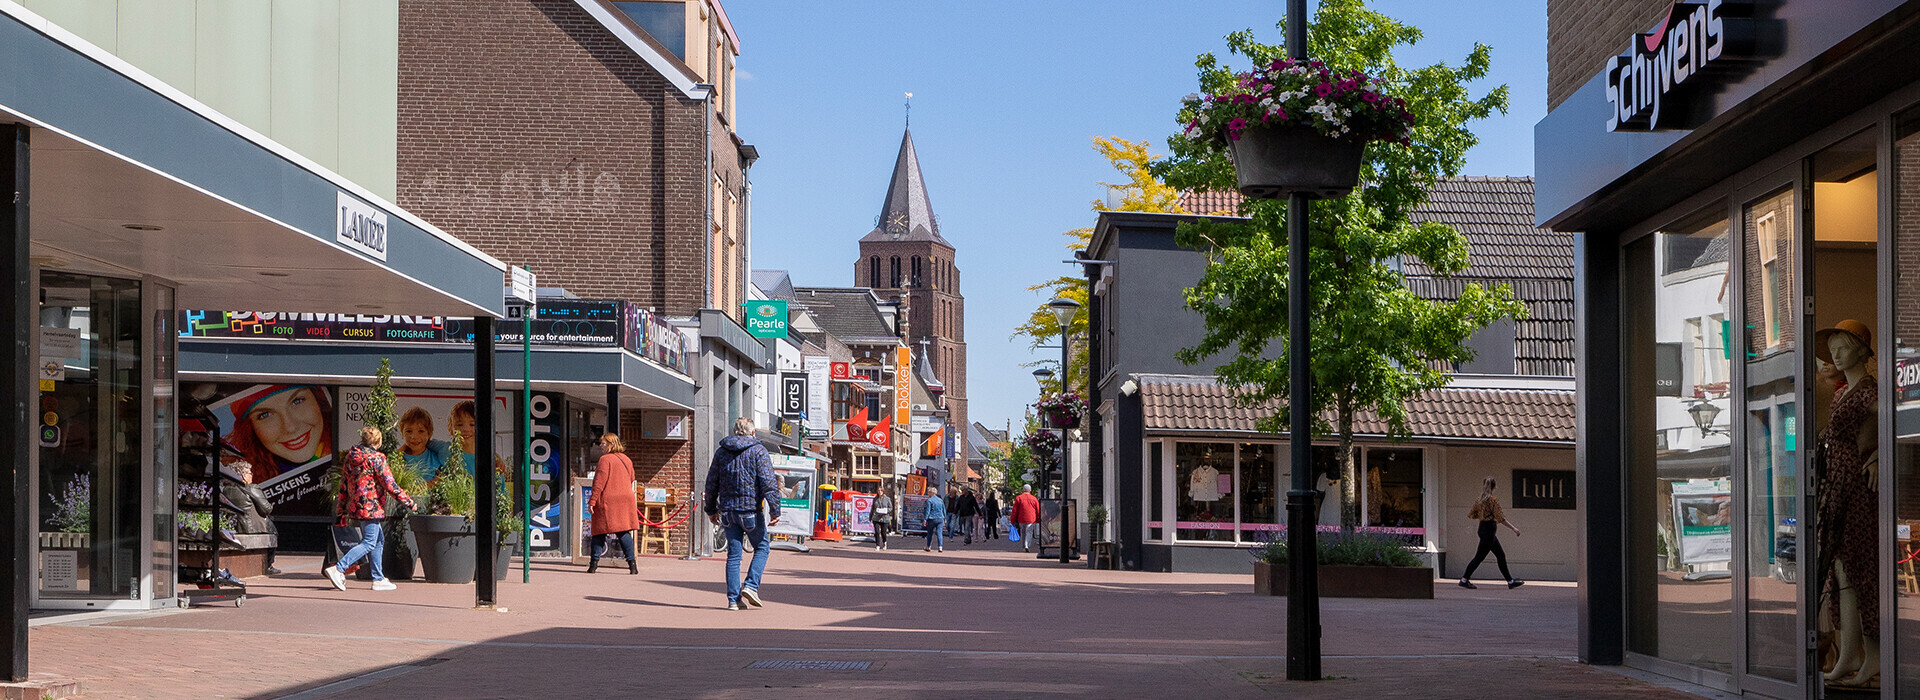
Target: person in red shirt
[364, 482]
[1026, 515]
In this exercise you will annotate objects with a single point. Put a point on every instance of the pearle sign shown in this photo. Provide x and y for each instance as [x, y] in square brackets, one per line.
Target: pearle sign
[1650, 86]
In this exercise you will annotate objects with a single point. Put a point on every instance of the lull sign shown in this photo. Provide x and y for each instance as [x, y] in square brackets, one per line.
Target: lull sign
[767, 318]
[1650, 86]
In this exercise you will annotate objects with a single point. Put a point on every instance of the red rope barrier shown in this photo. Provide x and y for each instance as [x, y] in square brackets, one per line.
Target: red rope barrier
[671, 522]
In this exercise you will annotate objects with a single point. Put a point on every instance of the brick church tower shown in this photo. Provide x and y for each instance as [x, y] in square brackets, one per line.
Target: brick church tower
[905, 255]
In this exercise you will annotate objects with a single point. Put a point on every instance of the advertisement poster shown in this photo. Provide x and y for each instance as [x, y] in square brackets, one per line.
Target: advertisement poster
[860, 507]
[797, 477]
[913, 514]
[286, 431]
[547, 462]
[428, 419]
[840, 515]
[1703, 520]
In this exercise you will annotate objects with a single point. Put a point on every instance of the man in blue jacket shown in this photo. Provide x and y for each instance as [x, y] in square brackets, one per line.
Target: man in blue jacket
[739, 482]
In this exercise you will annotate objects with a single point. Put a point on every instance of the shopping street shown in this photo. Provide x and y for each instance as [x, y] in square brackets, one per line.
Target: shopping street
[975, 621]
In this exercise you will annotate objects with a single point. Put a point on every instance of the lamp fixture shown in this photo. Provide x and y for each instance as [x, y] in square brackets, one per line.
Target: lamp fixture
[1704, 412]
[1063, 310]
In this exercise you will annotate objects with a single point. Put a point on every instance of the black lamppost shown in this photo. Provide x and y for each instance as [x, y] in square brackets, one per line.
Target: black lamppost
[1303, 591]
[1064, 310]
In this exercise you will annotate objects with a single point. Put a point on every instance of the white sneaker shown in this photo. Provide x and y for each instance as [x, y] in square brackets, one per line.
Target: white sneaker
[383, 585]
[339, 579]
[751, 596]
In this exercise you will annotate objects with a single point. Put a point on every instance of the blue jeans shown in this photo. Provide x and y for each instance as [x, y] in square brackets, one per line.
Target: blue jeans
[624, 538]
[372, 546]
[740, 526]
[934, 536]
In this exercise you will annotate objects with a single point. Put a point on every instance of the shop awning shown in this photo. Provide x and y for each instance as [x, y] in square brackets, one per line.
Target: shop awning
[1199, 404]
[582, 372]
[133, 177]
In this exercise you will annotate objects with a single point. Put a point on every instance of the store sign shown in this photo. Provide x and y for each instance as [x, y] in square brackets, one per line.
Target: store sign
[842, 370]
[1667, 368]
[360, 226]
[291, 326]
[793, 395]
[1550, 489]
[1906, 380]
[902, 386]
[818, 418]
[1651, 86]
[546, 460]
[767, 318]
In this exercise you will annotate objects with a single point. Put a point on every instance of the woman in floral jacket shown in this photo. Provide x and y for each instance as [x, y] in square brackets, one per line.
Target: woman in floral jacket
[364, 482]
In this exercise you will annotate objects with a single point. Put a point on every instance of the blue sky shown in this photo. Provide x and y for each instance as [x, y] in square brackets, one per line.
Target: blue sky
[1007, 98]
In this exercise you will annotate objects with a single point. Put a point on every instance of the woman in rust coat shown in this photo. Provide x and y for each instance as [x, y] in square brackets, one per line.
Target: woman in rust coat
[615, 511]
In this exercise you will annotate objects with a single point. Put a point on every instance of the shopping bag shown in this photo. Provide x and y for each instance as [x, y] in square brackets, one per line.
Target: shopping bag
[1013, 534]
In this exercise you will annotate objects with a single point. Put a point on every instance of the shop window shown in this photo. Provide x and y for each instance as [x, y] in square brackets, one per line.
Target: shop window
[1679, 470]
[1396, 491]
[1259, 499]
[1203, 485]
[1901, 377]
[1156, 468]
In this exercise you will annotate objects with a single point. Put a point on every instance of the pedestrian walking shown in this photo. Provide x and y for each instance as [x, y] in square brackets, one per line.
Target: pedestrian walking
[882, 518]
[1487, 511]
[739, 483]
[615, 510]
[365, 482]
[969, 511]
[936, 522]
[992, 513]
[1026, 516]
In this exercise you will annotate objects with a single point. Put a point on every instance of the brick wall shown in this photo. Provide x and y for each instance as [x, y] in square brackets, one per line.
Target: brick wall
[531, 133]
[1582, 34]
[665, 464]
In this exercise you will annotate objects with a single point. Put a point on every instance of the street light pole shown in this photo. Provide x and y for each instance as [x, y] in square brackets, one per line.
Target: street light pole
[1303, 597]
[1064, 310]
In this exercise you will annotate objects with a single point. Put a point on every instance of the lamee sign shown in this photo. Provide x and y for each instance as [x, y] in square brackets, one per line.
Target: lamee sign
[1653, 85]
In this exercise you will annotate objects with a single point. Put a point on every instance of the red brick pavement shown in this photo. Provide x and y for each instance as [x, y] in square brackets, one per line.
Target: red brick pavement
[975, 621]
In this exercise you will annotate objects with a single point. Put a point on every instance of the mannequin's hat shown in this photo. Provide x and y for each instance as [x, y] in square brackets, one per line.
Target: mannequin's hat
[1858, 330]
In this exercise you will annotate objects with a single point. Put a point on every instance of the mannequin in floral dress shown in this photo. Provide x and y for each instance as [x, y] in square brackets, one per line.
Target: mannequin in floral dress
[1849, 502]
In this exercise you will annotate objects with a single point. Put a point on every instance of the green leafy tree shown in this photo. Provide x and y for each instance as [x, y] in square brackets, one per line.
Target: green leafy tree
[1375, 344]
[1141, 192]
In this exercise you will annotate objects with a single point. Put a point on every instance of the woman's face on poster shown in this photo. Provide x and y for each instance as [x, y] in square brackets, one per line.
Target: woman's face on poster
[289, 424]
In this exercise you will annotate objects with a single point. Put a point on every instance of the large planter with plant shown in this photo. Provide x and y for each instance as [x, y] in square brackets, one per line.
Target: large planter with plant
[503, 558]
[1297, 126]
[446, 547]
[1357, 565]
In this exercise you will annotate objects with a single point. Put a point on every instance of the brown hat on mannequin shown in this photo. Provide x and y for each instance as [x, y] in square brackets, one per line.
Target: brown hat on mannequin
[1858, 330]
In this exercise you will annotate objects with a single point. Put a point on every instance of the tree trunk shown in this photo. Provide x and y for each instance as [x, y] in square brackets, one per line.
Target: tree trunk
[1349, 481]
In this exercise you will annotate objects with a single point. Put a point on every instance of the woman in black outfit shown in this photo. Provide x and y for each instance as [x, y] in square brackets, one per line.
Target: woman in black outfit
[1487, 511]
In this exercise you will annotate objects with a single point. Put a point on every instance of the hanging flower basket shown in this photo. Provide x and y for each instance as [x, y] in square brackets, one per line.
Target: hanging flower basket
[1061, 418]
[1271, 162]
[1062, 411]
[1297, 126]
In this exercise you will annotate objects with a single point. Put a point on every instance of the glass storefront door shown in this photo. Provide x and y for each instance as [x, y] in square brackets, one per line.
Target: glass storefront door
[1773, 435]
[91, 414]
[1902, 384]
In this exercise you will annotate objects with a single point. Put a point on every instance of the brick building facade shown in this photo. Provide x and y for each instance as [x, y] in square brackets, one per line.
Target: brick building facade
[1583, 34]
[564, 135]
[905, 255]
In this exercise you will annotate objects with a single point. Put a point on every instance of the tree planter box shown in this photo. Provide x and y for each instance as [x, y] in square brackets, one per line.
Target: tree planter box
[1271, 162]
[503, 561]
[1351, 581]
[447, 545]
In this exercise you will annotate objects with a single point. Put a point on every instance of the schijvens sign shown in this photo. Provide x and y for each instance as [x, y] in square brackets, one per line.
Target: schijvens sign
[1651, 86]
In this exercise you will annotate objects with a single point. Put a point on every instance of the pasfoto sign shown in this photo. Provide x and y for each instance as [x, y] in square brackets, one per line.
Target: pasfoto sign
[360, 226]
[1651, 87]
[767, 318]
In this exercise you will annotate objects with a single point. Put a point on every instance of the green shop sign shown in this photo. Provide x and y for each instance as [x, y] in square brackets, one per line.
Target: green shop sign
[767, 319]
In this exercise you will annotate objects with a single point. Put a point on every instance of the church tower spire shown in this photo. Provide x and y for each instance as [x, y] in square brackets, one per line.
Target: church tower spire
[905, 255]
[907, 213]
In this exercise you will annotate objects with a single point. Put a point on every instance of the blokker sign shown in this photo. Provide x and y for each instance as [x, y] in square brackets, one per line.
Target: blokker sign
[1650, 87]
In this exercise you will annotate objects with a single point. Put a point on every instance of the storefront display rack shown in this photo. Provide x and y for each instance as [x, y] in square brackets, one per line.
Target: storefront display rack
[200, 464]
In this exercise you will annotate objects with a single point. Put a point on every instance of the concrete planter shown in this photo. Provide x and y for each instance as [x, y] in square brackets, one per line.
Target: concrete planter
[1271, 162]
[1351, 581]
